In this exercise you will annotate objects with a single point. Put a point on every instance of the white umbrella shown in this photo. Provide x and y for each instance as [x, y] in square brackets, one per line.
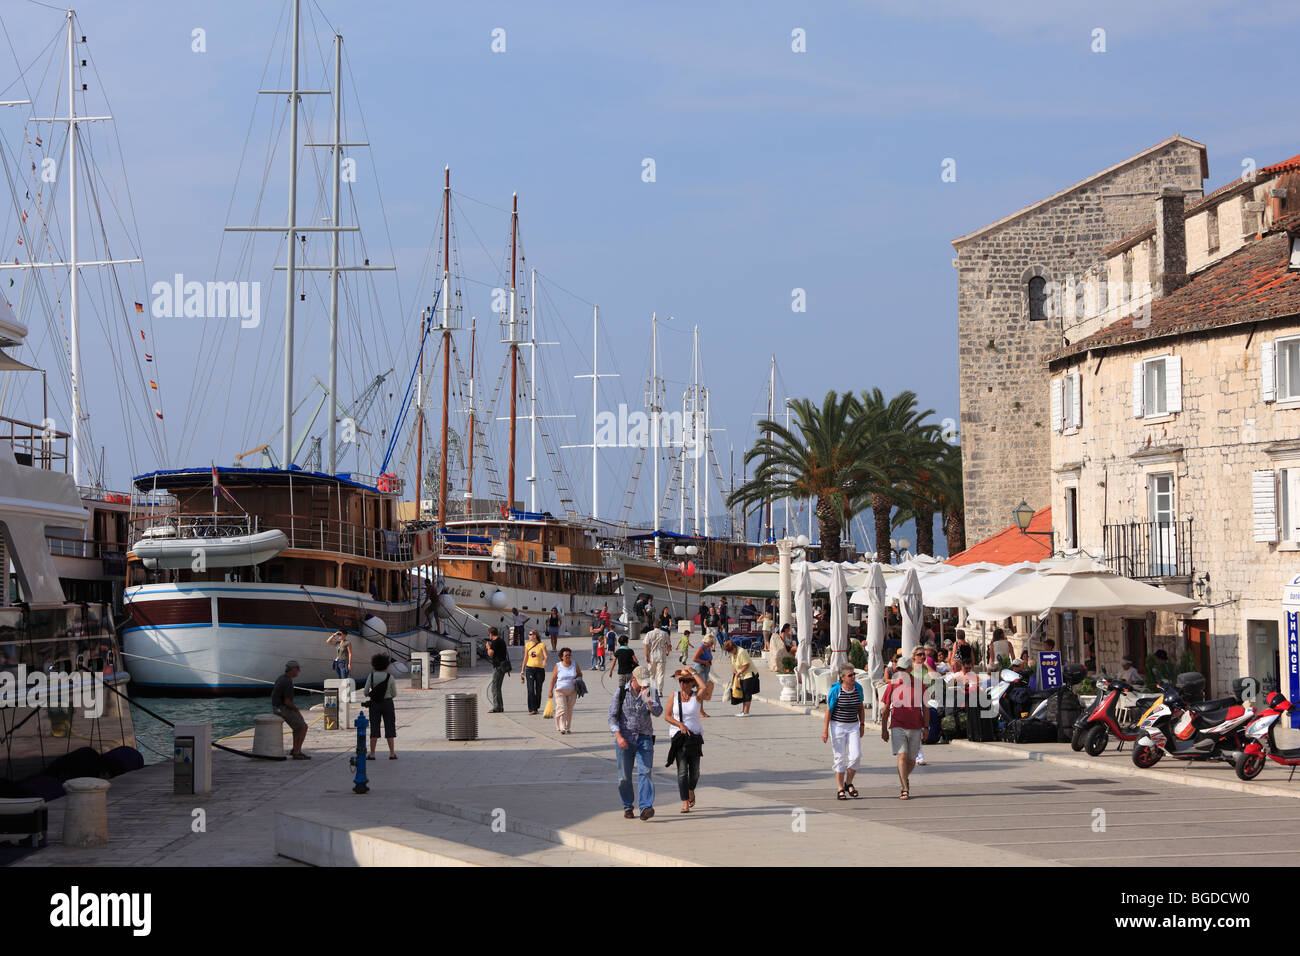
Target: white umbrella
[911, 605]
[762, 580]
[875, 590]
[966, 591]
[1060, 589]
[839, 619]
[803, 614]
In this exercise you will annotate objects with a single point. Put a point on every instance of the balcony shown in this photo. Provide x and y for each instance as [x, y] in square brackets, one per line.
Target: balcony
[1150, 549]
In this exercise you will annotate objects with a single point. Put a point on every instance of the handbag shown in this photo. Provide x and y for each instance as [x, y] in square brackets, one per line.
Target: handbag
[550, 707]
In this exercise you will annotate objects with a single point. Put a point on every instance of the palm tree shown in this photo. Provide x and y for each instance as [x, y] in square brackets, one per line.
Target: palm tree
[828, 454]
[901, 437]
[951, 499]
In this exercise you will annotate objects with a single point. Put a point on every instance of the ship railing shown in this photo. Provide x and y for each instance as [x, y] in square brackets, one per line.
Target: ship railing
[37, 446]
[89, 493]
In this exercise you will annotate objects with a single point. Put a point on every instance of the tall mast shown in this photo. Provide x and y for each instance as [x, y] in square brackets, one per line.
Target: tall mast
[595, 386]
[771, 412]
[788, 528]
[681, 497]
[334, 260]
[654, 418]
[289, 275]
[532, 399]
[514, 347]
[708, 441]
[695, 428]
[469, 484]
[446, 341]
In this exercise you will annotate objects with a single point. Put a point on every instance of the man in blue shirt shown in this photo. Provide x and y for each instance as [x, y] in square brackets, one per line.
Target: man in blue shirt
[630, 721]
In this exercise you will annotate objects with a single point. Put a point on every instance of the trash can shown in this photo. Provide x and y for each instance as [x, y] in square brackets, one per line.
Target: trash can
[462, 716]
[450, 664]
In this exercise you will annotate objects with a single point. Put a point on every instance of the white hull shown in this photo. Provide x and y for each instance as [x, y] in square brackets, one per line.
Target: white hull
[212, 657]
[475, 613]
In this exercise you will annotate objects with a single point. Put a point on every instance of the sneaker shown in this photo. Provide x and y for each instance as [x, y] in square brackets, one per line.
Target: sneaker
[742, 714]
[920, 761]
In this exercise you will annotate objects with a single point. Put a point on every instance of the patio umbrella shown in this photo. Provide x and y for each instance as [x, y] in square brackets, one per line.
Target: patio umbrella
[1060, 589]
[875, 590]
[839, 619]
[803, 614]
[968, 590]
[911, 605]
[762, 580]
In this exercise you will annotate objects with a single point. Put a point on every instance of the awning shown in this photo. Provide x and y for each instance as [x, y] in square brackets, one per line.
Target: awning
[10, 364]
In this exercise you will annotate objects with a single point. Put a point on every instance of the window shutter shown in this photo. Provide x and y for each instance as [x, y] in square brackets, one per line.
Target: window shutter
[1139, 388]
[1268, 370]
[1173, 384]
[1263, 489]
[1292, 492]
[1076, 413]
[1056, 404]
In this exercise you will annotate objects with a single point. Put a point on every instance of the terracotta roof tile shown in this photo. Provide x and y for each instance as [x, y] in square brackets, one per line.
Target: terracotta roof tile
[1253, 284]
[1009, 546]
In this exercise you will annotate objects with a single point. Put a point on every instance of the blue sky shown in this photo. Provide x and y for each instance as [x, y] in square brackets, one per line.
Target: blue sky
[775, 170]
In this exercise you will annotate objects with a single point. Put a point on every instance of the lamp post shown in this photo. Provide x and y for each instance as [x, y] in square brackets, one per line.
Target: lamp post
[682, 552]
[1025, 514]
[898, 547]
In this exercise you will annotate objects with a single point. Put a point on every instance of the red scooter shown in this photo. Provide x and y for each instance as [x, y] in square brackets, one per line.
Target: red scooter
[1093, 729]
[1262, 742]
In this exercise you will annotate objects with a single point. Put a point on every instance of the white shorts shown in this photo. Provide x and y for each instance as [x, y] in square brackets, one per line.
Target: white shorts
[846, 741]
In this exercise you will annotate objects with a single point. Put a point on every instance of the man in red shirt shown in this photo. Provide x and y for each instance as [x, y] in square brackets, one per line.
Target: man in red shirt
[904, 717]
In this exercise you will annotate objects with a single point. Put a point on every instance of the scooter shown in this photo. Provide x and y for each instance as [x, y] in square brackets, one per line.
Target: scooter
[1093, 729]
[1262, 742]
[1205, 731]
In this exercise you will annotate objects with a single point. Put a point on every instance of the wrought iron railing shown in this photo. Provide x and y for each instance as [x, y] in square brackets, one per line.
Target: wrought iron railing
[1150, 549]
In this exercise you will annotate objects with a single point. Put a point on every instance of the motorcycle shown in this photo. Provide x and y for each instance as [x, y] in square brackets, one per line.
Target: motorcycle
[1096, 724]
[1262, 742]
[1204, 731]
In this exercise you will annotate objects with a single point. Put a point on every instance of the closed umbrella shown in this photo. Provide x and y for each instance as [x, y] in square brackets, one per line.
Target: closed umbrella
[875, 589]
[911, 606]
[803, 614]
[839, 619]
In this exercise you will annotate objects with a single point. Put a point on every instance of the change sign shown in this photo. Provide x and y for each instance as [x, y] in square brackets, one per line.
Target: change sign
[1049, 670]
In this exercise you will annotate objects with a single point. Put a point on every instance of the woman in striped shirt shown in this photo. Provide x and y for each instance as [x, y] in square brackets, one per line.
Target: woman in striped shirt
[846, 722]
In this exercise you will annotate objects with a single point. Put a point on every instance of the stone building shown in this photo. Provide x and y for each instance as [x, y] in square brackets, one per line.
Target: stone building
[1174, 414]
[1010, 296]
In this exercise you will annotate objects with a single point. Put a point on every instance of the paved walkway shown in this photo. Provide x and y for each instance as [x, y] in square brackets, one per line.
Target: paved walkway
[523, 794]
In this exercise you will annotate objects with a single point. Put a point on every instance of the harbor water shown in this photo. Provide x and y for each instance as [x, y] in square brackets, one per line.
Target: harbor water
[227, 715]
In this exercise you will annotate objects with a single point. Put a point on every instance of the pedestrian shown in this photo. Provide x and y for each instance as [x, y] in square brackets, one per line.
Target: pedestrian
[597, 639]
[845, 723]
[611, 642]
[630, 711]
[380, 691]
[684, 646]
[767, 625]
[902, 719]
[702, 662]
[774, 644]
[282, 706]
[534, 674]
[342, 654]
[999, 648]
[624, 662]
[517, 627]
[656, 654]
[666, 619]
[964, 650]
[746, 677]
[564, 689]
[500, 655]
[553, 626]
[599, 660]
[922, 673]
[687, 740]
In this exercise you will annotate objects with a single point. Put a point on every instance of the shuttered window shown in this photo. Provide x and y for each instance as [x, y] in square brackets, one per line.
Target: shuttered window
[1157, 387]
[1263, 490]
[1288, 496]
[1287, 356]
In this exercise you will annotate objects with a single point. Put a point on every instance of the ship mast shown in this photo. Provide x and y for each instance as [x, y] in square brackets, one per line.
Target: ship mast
[654, 418]
[695, 429]
[446, 341]
[469, 484]
[514, 347]
[771, 411]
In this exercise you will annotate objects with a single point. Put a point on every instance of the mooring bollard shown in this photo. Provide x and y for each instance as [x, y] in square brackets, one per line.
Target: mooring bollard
[268, 735]
[359, 761]
[85, 815]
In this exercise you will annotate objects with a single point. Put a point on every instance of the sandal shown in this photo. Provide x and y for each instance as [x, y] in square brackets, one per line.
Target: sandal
[852, 791]
[904, 796]
[841, 795]
[686, 808]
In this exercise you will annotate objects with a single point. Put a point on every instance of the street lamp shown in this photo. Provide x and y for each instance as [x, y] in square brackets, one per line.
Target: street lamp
[1025, 514]
[681, 551]
[898, 547]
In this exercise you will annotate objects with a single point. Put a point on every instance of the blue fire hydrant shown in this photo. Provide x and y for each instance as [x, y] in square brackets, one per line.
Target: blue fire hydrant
[359, 761]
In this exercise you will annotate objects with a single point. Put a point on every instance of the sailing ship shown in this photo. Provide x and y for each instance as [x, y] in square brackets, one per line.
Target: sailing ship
[233, 571]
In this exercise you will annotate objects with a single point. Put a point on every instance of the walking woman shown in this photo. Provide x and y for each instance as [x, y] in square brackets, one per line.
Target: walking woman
[380, 690]
[534, 670]
[702, 662]
[687, 744]
[564, 689]
[845, 723]
[553, 626]
[743, 668]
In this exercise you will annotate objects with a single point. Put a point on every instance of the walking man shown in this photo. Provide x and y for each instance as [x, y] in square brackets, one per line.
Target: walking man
[904, 714]
[630, 721]
[656, 654]
[624, 660]
[500, 655]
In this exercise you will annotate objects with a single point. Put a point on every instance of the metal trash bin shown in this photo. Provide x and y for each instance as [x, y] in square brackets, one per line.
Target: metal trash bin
[462, 716]
[449, 669]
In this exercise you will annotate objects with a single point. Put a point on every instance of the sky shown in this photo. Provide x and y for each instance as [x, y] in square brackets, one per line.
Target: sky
[775, 170]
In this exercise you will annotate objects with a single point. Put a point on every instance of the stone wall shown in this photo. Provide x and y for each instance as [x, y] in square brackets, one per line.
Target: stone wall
[1005, 432]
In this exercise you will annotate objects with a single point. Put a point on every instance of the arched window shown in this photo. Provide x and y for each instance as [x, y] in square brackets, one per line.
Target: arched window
[1037, 299]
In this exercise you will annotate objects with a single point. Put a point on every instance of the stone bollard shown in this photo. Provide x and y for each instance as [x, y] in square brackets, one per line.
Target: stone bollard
[449, 669]
[268, 735]
[85, 814]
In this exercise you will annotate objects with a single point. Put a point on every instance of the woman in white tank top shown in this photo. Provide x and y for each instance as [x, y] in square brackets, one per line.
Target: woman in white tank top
[684, 714]
[564, 690]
